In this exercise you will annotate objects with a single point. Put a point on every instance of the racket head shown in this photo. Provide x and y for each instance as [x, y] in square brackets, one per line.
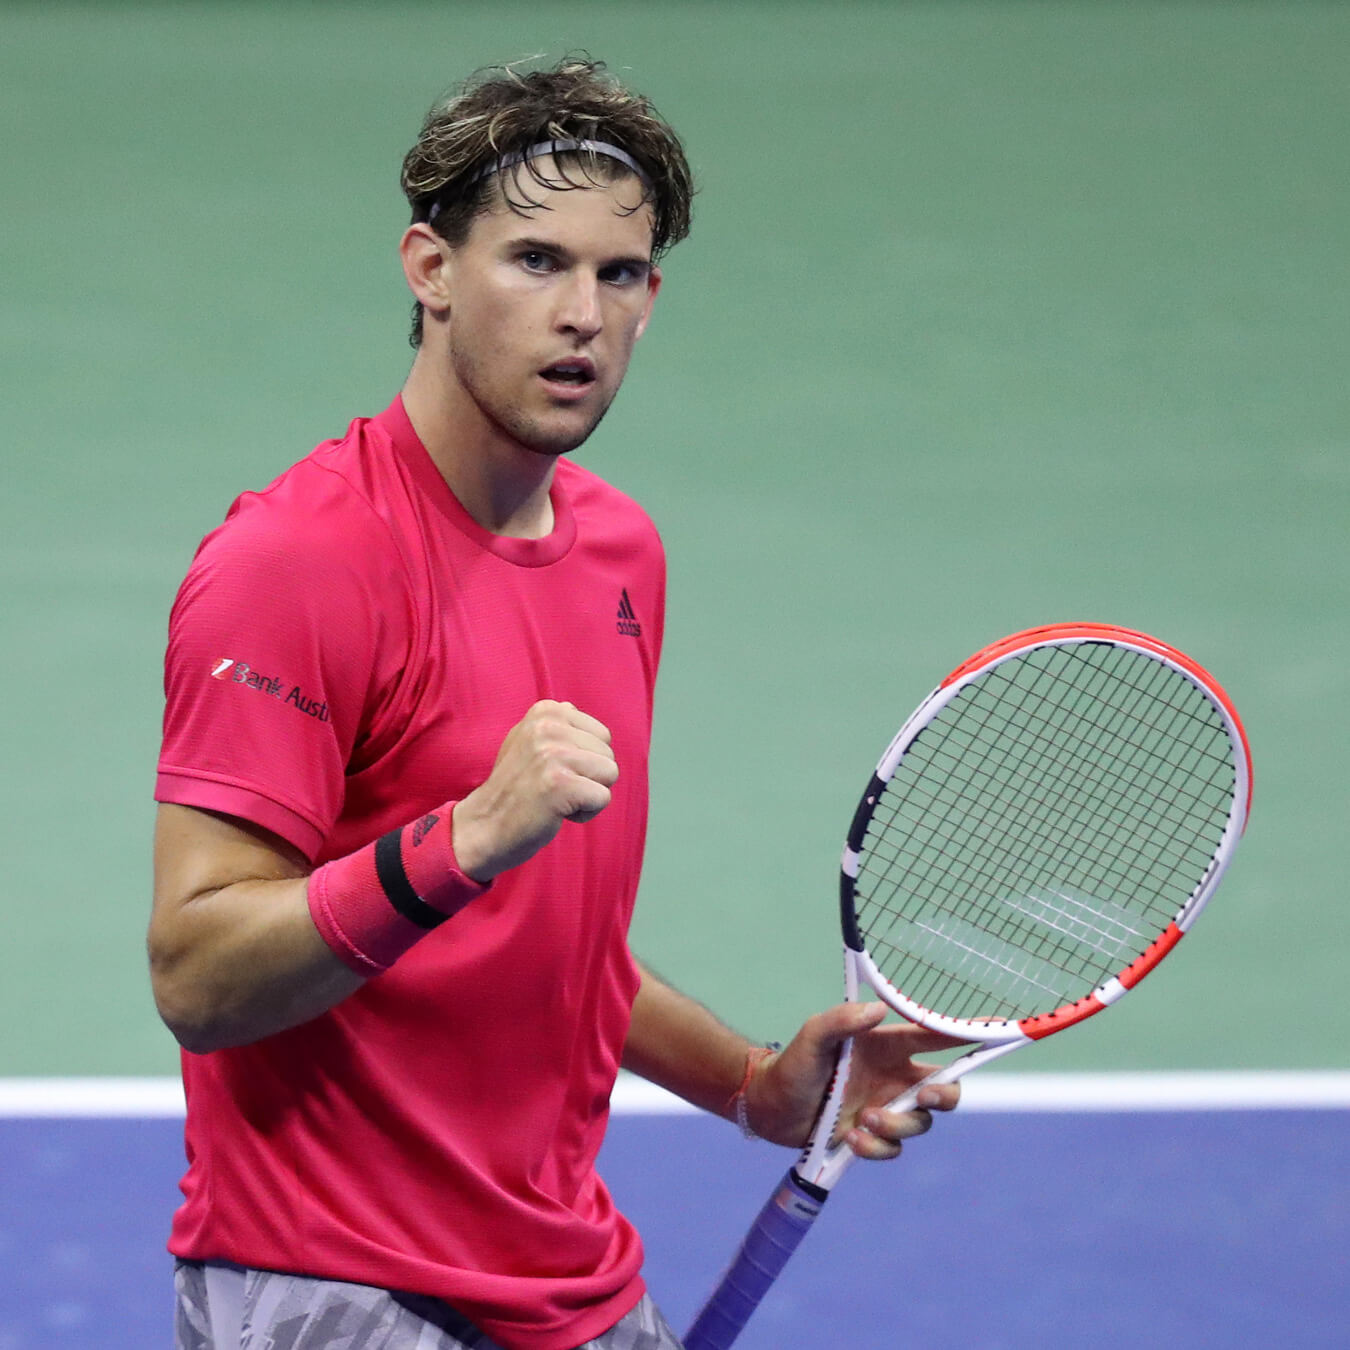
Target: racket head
[1042, 831]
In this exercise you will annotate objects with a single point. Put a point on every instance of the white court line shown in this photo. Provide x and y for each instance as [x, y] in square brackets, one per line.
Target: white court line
[135, 1098]
[1207, 1090]
[1173, 1091]
[143, 1098]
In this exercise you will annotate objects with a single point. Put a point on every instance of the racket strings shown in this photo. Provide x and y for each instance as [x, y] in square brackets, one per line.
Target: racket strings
[1113, 793]
[1073, 913]
[1089, 939]
[1042, 837]
[1068, 918]
[1128, 805]
[1043, 830]
[1158, 804]
[1037, 843]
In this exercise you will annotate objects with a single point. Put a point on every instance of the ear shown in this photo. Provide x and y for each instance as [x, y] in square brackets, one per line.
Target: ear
[653, 286]
[426, 265]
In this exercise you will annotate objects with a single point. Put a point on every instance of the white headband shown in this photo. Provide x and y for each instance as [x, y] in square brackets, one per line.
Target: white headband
[552, 148]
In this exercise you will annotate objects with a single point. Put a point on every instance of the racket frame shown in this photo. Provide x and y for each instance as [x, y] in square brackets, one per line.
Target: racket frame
[825, 1159]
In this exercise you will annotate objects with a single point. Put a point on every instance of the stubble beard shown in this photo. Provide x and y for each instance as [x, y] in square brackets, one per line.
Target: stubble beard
[527, 431]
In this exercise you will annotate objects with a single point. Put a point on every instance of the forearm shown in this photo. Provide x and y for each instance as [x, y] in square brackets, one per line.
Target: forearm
[245, 942]
[679, 1044]
[242, 962]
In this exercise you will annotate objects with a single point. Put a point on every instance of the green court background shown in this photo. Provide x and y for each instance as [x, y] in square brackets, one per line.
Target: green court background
[994, 314]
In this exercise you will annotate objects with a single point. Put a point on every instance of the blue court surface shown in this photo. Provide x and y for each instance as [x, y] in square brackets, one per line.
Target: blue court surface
[1003, 1230]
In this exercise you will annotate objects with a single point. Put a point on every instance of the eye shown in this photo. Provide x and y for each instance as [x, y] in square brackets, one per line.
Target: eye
[535, 260]
[622, 274]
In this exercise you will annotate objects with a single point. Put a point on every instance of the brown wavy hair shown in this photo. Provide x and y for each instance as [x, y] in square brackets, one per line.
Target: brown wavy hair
[504, 110]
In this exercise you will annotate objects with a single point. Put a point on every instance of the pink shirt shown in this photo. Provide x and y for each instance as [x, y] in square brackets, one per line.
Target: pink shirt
[347, 652]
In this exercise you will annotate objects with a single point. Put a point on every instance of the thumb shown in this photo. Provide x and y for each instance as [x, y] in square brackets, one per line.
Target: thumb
[836, 1025]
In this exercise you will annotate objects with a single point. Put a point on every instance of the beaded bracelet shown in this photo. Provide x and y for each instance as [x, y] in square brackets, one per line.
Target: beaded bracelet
[755, 1056]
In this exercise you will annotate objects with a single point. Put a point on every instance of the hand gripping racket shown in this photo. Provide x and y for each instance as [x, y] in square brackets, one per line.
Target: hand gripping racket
[1038, 836]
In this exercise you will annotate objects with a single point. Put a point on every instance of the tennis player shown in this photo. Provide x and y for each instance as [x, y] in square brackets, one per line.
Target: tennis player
[403, 798]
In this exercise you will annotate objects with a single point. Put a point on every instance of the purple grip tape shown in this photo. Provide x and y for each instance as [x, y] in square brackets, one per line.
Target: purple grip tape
[774, 1236]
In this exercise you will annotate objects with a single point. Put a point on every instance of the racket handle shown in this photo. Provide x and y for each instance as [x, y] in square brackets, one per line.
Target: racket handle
[772, 1238]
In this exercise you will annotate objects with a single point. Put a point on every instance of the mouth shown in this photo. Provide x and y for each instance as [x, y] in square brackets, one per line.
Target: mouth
[571, 377]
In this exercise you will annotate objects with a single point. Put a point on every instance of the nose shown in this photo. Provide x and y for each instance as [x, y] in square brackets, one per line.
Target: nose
[579, 307]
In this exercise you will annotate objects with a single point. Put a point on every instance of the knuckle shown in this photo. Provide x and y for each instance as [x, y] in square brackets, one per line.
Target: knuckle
[546, 712]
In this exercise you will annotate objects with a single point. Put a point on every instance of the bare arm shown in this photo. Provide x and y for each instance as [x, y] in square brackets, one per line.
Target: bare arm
[676, 1042]
[234, 955]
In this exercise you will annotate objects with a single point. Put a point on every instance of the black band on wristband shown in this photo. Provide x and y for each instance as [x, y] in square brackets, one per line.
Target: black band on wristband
[394, 880]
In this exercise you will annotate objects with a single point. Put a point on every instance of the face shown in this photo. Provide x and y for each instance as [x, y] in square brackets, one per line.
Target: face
[545, 307]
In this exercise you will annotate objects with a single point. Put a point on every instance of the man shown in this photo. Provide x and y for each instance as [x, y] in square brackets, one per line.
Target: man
[403, 800]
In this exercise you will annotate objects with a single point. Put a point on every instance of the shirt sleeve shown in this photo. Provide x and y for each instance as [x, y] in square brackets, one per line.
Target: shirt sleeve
[284, 643]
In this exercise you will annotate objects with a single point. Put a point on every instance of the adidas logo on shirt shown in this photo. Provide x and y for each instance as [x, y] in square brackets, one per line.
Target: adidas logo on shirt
[628, 623]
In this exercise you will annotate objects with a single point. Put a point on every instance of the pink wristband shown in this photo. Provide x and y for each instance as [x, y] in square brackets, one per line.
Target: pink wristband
[374, 904]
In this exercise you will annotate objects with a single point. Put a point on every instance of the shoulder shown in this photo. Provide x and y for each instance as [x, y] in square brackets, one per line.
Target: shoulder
[602, 508]
[308, 564]
[317, 522]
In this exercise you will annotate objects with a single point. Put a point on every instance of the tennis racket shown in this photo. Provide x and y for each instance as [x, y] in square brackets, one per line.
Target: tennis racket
[1038, 836]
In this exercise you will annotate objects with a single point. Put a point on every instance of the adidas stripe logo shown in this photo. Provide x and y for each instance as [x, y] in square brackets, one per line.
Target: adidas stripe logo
[628, 623]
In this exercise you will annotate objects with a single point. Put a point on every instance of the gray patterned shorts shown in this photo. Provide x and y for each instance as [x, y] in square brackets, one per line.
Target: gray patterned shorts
[224, 1307]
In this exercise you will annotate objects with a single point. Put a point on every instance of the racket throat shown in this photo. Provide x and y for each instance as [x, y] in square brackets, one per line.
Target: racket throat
[822, 1147]
[807, 1199]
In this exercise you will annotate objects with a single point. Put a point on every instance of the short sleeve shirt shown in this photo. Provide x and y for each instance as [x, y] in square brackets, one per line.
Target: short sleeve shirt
[347, 653]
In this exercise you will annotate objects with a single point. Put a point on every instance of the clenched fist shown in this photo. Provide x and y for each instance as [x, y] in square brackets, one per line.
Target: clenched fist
[555, 764]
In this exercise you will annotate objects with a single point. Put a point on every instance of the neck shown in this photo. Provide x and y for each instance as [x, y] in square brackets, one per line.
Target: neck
[501, 484]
